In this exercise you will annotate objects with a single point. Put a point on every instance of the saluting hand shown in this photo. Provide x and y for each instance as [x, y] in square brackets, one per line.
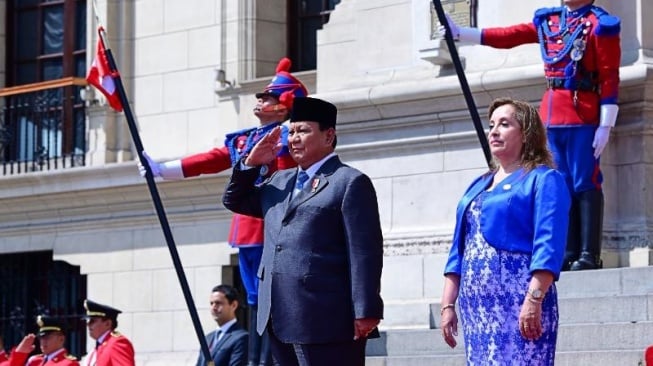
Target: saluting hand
[266, 150]
[27, 344]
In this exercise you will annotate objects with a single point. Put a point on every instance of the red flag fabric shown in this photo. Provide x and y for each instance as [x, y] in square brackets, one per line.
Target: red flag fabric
[101, 76]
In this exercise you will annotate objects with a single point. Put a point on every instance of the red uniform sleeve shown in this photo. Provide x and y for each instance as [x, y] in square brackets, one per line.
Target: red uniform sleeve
[122, 353]
[648, 355]
[285, 161]
[608, 54]
[509, 37]
[18, 358]
[210, 162]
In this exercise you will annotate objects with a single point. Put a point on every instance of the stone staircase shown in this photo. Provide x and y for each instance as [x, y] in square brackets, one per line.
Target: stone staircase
[606, 318]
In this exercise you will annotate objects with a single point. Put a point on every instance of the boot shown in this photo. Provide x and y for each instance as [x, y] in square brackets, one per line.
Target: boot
[266, 354]
[572, 251]
[591, 230]
[254, 338]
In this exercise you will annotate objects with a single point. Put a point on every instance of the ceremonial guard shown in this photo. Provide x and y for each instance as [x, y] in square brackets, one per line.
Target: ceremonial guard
[272, 109]
[580, 47]
[111, 347]
[52, 339]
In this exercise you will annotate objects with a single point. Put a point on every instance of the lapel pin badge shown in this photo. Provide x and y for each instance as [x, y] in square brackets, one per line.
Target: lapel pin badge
[264, 170]
[314, 185]
[507, 187]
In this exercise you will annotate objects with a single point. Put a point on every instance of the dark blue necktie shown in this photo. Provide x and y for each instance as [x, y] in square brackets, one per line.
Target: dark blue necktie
[302, 177]
[214, 345]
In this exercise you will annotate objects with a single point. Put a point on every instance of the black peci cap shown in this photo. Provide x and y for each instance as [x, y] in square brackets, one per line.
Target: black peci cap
[309, 109]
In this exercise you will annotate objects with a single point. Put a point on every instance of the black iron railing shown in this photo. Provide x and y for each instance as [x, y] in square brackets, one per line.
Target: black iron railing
[33, 284]
[42, 126]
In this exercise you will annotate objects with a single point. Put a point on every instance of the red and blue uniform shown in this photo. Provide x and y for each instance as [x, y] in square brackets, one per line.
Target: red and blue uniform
[581, 53]
[246, 232]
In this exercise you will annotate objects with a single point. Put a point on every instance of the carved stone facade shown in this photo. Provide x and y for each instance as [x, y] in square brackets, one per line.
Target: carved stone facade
[402, 120]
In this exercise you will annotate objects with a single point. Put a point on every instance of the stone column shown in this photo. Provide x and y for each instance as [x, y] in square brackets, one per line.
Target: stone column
[109, 138]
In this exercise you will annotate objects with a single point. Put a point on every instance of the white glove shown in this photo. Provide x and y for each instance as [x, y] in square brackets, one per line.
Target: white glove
[455, 30]
[601, 137]
[464, 34]
[168, 170]
[602, 134]
[156, 172]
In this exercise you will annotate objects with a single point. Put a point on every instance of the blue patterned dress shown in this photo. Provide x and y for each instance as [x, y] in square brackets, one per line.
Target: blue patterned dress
[493, 285]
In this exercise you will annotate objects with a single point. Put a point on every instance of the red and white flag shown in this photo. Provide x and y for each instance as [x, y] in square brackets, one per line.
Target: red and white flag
[101, 76]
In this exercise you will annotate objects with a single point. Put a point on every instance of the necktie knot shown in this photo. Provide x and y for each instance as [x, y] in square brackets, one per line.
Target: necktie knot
[97, 344]
[302, 177]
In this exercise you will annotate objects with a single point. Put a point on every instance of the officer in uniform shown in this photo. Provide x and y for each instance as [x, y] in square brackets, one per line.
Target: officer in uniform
[580, 47]
[272, 109]
[4, 357]
[52, 338]
[111, 347]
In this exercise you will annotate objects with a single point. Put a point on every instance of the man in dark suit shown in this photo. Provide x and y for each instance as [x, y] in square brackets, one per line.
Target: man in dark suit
[228, 343]
[319, 289]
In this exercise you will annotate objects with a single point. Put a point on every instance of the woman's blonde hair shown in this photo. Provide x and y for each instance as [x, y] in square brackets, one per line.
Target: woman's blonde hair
[535, 151]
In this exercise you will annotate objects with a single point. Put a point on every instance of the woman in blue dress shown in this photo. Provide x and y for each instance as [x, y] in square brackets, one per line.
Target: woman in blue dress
[508, 247]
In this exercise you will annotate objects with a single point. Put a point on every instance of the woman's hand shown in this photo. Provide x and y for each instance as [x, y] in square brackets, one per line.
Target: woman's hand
[449, 325]
[530, 319]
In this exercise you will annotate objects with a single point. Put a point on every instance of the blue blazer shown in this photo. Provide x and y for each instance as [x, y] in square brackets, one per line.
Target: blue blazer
[231, 350]
[323, 252]
[528, 212]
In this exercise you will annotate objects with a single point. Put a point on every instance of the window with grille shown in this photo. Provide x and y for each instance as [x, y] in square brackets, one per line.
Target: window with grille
[42, 121]
[33, 284]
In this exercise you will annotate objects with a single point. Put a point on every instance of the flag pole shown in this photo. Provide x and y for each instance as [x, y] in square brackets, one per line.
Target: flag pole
[467, 93]
[156, 199]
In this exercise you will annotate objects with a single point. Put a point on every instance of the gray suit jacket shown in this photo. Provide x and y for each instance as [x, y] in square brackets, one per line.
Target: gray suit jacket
[323, 252]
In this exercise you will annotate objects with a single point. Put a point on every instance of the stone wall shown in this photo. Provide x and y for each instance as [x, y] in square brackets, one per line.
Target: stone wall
[402, 120]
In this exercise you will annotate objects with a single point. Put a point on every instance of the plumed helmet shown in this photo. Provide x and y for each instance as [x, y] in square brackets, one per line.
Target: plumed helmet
[284, 86]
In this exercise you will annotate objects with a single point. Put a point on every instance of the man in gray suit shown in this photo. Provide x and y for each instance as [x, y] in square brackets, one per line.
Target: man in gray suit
[320, 275]
[228, 343]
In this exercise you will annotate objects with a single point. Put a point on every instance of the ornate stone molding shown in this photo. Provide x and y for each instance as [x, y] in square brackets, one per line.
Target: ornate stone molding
[416, 244]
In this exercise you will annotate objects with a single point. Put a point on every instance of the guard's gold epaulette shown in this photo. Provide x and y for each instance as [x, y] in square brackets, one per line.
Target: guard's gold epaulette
[116, 333]
[71, 357]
